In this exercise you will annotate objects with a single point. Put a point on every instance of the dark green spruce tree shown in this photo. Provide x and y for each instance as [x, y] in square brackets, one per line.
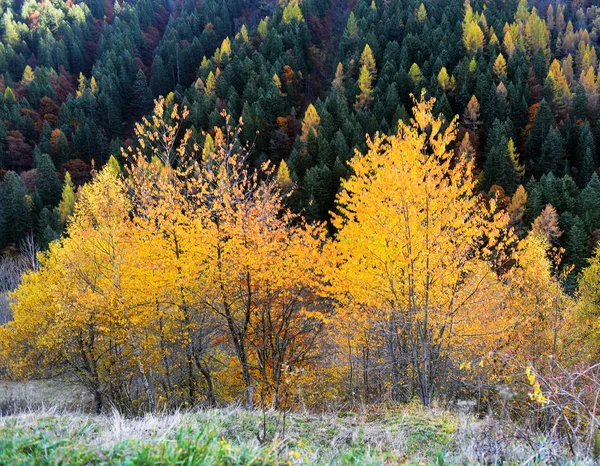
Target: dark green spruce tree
[48, 185]
[16, 217]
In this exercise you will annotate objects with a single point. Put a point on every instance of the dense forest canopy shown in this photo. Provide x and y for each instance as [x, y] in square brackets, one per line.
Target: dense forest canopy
[299, 201]
[309, 79]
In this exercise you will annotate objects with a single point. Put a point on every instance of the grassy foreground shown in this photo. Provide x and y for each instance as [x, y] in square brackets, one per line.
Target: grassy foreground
[231, 437]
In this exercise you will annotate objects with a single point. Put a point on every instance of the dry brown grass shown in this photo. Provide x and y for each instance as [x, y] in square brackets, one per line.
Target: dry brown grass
[412, 435]
[58, 394]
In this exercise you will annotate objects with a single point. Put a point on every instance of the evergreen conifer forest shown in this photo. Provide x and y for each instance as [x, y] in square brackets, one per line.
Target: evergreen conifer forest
[263, 214]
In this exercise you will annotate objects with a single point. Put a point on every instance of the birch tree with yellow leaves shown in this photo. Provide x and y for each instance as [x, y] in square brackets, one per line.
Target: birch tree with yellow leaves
[159, 182]
[264, 275]
[416, 250]
[78, 310]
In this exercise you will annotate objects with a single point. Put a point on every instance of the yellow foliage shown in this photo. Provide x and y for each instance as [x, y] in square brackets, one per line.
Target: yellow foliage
[473, 36]
[536, 300]
[500, 66]
[311, 122]
[422, 13]
[409, 251]
[446, 81]
[536, 393]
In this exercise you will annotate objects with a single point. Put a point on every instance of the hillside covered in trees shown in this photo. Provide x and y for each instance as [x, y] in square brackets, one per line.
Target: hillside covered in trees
[309, 80]
[302, 203]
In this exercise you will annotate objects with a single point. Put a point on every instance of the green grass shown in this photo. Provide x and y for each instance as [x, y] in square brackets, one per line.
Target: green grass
[229, 437]
[186, 447]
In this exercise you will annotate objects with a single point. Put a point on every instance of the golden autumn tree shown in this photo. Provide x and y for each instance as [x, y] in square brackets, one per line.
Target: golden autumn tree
[338, 82]
[284, 180]
[471, 115]
[311, 122]
[536, 34]
[588, 310]
[368, 60]
[67, 202]
[473, 36]
[516, 210]
[446, 81]
[535, 300]
[292, 12]
[465, 149]
[235, 263]
[233, 257]
[171, 250]
[28, 76]
[500, 67]
[365, 97]
[77, 299]
[264, 273]
[366, 77]
[589, 82]
[415, 74]
[508, 42]
[422, 13]
[561, 94]
[413, 255]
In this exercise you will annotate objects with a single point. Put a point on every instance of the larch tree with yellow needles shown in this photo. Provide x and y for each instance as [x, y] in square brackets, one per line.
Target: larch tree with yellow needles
[536, 298]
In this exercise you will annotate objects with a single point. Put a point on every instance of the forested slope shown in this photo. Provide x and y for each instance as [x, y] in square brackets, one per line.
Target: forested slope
[76, 76]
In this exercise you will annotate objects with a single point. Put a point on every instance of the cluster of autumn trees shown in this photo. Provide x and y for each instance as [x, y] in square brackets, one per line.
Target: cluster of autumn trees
[185, 280]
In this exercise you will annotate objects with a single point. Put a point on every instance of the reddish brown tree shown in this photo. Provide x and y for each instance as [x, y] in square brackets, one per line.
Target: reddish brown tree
[29, 179]
[79, 171]
[18, 155]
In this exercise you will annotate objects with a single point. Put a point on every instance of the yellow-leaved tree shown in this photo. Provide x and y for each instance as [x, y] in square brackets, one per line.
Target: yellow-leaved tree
[75, 311]
[413, 260]
[588, 312]
[264, 278]
[535, 296]
[171, 252]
